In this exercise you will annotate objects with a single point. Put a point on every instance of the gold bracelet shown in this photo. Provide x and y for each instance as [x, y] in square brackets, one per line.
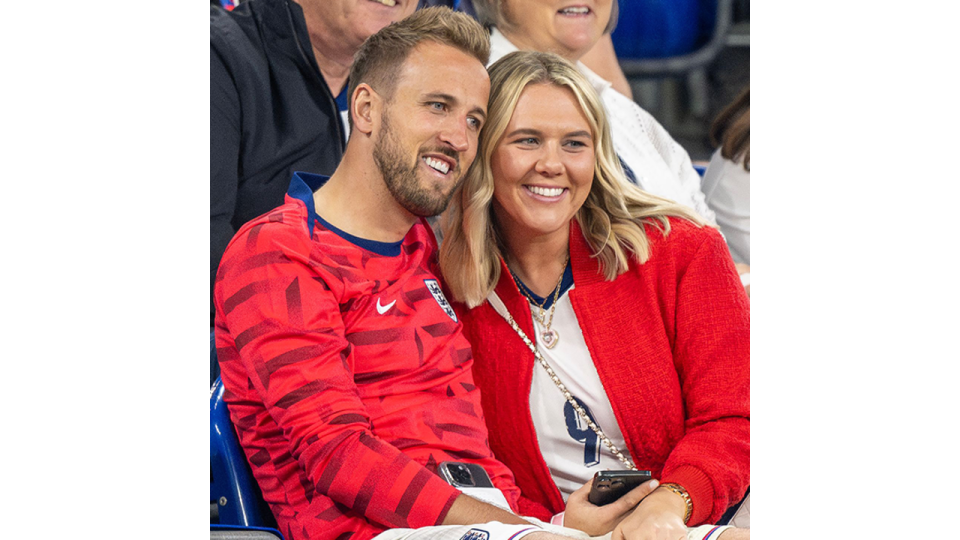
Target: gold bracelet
[679, 490]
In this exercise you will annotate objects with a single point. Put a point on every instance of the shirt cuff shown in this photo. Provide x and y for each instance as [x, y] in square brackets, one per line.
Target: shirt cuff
[706, 532]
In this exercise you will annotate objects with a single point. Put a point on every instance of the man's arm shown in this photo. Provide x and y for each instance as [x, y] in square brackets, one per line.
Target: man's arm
[467, 511]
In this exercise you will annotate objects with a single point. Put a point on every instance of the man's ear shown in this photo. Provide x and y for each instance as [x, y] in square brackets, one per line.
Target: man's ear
[365, 108]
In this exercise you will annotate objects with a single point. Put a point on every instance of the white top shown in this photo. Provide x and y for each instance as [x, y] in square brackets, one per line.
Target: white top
[572, 450]
[662, 167]
[726, 185]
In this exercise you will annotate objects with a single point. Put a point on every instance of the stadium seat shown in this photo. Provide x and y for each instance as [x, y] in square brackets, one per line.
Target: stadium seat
[660, 39]
[235, 499]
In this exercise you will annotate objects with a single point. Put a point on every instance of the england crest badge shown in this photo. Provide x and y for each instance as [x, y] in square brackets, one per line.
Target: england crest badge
[437, 293]
[476, 534]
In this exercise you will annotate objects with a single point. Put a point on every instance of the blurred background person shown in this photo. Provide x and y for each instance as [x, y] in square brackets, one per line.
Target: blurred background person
[726, 184]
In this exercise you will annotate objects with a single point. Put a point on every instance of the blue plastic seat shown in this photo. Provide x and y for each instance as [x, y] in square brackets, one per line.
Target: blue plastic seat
[233, 489]
[654, 38]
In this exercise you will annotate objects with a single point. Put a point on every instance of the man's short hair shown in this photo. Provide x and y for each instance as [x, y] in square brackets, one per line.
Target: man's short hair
[380, 58]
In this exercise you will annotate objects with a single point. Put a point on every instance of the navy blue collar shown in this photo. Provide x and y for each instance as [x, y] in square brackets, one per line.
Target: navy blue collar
[565, 285]
[302, 186]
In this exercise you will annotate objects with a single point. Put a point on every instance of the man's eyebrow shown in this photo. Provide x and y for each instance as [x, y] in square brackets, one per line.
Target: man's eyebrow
[440, 96]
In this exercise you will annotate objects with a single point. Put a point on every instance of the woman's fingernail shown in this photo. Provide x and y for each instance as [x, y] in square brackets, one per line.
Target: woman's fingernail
[654, 484]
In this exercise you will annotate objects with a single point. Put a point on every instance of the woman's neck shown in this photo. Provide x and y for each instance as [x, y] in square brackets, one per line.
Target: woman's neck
[538, 262]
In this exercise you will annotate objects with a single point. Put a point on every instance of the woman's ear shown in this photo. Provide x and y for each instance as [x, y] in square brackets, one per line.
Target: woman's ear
[365, 108]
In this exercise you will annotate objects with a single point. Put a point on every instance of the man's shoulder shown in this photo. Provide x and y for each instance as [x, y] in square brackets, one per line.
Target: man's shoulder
[282, 229]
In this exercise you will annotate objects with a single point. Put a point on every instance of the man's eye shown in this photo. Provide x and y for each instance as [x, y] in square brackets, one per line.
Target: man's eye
[473, 123]
[436, 105]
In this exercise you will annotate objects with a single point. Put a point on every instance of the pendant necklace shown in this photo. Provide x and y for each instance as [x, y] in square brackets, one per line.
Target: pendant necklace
[549, 336]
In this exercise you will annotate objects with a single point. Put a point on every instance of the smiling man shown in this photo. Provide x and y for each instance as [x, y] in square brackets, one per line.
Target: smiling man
[346, 371]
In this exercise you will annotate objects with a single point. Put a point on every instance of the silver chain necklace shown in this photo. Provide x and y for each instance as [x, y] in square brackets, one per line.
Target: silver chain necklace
[500, 308]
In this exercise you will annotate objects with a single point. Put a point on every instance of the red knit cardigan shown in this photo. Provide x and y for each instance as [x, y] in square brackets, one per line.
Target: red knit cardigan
[671, 342]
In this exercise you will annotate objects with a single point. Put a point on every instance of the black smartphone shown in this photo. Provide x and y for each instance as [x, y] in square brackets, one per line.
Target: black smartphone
[609, 486]
[464, 475]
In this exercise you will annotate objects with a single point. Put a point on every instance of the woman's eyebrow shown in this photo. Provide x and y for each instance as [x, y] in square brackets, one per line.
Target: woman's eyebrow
[523, 131]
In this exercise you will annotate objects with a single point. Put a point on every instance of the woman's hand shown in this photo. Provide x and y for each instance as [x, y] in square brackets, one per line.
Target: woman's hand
[599, 520]
[658, 517]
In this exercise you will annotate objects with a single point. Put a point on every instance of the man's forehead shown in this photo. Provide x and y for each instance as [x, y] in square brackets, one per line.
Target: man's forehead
[438, 68]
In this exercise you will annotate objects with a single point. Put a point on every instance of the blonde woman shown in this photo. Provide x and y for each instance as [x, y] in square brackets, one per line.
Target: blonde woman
[630, 301]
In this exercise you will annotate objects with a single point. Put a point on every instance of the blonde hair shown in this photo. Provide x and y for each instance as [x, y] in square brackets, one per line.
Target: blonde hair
[611, 218]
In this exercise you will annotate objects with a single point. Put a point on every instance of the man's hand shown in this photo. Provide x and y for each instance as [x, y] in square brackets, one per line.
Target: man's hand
[735, 534]
[599, 520]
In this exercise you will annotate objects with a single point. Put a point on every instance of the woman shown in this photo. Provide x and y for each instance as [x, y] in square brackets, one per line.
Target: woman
[653, 160]
[632, 303]
[726, 183]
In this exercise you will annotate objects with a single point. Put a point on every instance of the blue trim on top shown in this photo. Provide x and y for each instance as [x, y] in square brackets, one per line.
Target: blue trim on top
[342, 99]
[565, 285]
[387, 249]
[302, 186]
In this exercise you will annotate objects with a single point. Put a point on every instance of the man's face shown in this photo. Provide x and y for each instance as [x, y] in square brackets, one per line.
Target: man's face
[355, 20]
[429, 128]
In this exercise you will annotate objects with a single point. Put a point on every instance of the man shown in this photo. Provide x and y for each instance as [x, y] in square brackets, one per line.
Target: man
[278, 71]
[346, 371]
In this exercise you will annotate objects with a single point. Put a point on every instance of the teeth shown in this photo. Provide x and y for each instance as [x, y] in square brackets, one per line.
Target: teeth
[575, 10]
[441, 166]
[546, 192]
[387, 2]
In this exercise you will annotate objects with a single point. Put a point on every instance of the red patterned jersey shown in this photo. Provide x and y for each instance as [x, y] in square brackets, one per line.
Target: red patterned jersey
[346, 373]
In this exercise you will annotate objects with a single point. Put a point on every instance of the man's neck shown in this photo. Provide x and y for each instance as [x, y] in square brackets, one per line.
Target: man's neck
[356, 200]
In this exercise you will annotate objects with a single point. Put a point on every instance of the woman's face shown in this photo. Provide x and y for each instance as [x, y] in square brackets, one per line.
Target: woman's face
[543, 165]
[569, 28]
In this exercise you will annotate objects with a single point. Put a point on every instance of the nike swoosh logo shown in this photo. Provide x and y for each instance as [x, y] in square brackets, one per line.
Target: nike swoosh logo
[383, 309]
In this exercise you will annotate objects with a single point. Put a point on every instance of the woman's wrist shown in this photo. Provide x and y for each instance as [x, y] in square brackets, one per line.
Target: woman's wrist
[680, 498]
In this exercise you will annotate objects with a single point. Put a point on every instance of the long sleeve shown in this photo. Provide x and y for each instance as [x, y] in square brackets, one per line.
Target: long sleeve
[711, 354]
[280, 327]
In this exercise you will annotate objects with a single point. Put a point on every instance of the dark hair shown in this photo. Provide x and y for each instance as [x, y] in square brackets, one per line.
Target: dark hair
[380, 58]
[731, 129]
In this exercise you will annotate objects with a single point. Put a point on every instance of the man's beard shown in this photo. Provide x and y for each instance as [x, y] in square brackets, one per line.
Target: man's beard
[404, 182]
